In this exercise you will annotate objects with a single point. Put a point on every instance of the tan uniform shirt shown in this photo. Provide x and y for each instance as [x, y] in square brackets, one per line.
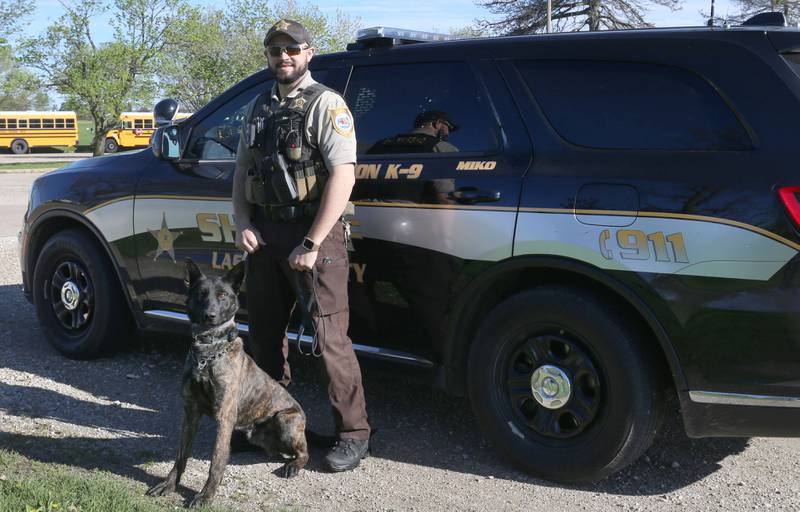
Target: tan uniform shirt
[329, 127]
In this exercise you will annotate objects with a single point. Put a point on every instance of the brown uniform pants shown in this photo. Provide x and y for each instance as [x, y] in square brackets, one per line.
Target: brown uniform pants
[270, 299]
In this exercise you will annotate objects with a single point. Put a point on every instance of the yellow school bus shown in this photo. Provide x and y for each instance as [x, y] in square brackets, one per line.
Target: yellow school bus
[21, 131]
[133, 131]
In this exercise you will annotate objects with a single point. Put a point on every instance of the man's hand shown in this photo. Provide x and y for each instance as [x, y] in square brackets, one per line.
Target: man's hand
[249, 239]
[301, 259]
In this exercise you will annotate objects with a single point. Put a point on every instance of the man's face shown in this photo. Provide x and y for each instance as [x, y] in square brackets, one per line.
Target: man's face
[288, 69]
[442, 129]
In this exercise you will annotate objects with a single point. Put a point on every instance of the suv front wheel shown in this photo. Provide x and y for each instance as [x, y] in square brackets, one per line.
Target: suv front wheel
[77, 297]
[563, 385]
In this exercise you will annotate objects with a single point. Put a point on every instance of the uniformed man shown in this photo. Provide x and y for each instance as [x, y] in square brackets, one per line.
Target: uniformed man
[295, 170]
[430, 133]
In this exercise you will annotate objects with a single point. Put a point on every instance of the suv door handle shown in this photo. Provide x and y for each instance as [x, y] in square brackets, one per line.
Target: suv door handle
[469, 195]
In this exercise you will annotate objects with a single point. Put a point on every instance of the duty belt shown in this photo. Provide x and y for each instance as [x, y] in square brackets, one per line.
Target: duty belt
[289, 213]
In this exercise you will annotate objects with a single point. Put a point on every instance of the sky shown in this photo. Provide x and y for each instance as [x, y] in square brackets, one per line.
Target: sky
[425, 15]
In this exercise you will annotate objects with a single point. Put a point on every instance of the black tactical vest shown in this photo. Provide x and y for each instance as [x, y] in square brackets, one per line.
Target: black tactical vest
[405, 143]
[277, 135]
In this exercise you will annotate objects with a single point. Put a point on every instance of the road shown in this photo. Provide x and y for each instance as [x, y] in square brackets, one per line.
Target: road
[10, 158]
[121, 415]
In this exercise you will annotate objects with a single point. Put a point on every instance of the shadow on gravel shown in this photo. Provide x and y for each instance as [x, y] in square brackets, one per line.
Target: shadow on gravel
[141, 407]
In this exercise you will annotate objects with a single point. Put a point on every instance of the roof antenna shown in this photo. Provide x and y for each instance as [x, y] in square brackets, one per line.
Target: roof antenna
[711, 19]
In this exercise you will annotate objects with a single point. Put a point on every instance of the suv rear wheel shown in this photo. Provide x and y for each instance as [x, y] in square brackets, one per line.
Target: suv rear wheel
[563, 385]
[77, 299]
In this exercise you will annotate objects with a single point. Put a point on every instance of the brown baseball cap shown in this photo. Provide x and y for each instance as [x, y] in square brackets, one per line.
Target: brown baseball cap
[290, 28]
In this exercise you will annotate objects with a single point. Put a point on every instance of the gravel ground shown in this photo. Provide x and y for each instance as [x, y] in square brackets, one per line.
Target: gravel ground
[123, 414]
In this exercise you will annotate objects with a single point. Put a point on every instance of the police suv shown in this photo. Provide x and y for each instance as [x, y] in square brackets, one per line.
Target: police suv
[614, 218]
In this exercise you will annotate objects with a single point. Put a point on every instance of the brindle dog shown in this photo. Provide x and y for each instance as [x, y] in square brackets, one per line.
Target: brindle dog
[222, 381]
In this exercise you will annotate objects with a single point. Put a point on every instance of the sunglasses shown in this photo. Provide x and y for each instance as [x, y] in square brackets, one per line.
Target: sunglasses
[292, 50]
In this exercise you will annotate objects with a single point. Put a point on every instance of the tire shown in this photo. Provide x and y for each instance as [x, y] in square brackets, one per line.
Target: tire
[19, 146]
[95, 320]
[546, 338]
[111, 145]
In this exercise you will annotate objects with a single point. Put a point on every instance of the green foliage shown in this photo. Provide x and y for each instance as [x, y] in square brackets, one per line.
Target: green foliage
[13, 15]
[29, 486]
[102, 80]
[210, 49]
[467, 32]
[19, 89]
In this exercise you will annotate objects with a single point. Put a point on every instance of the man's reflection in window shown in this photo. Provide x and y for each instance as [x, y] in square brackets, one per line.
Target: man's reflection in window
[430, 133]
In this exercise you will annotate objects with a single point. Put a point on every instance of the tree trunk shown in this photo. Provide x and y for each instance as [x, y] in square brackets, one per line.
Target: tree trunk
[593, 18]
[99, 141]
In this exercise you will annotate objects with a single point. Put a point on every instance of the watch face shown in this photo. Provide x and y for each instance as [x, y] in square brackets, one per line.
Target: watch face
[308, 244]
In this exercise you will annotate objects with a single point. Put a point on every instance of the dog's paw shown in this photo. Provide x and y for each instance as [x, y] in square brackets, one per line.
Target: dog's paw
[290, 470]
[199, 500]
[165, 487]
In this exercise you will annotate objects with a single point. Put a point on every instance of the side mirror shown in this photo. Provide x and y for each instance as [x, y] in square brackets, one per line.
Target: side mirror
[165, 111]
[166, 143]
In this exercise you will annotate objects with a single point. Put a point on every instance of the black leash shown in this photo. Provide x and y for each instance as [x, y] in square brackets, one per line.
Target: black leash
[306, 284]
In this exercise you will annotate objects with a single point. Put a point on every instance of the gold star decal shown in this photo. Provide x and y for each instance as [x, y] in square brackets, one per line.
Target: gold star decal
[282, 25]
[298, 103]
[165, 238]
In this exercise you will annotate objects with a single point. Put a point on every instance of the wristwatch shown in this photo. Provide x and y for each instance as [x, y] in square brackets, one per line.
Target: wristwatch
[309, 245]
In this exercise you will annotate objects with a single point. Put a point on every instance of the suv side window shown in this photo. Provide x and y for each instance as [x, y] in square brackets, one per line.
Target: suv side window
[626, 105]
[386, 100]
[217, 136]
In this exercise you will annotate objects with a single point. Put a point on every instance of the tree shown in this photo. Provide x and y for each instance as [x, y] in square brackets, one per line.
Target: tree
[749, 8]
[530, 16]
[13, 14]
[210, 49]
[19, 89]
[102, 78]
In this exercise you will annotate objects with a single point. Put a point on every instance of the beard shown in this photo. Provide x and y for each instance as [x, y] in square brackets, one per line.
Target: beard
[291, 75]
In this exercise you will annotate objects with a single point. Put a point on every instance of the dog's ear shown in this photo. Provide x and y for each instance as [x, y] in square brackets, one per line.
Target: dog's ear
[192, 274]
[235, 276]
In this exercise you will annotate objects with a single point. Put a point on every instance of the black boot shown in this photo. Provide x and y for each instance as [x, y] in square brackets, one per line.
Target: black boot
[346, 454]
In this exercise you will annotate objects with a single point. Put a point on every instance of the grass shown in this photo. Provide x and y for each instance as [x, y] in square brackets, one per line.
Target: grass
[31, 486]
[85, 133]
[32, 165]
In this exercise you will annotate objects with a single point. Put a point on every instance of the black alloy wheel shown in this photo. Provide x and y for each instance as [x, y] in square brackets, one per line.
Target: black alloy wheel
[552, 384]
[71, 296]
[78, 299]
[564, 385]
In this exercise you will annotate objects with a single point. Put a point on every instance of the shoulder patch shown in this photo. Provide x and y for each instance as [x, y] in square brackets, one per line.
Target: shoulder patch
[342, 120]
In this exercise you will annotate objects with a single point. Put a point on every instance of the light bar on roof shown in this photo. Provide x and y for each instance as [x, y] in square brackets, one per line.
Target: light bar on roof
[365, 34]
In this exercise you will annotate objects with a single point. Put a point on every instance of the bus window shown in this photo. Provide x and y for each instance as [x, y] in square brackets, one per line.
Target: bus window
[47, 123]
[36, 123]
[148, 124]
[11, 123]
[127, 125]
[59, 123]
[22, 123]
[138, 123]
[2, 123]
[70, 123]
